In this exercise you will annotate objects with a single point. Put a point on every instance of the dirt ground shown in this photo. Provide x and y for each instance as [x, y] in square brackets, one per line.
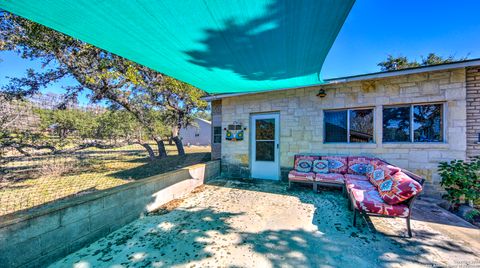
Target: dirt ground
[260, 224]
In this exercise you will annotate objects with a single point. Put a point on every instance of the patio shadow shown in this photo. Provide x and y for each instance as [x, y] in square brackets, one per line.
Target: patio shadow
[336, 242]
[178, 238]
[237, 224]
[226, 46]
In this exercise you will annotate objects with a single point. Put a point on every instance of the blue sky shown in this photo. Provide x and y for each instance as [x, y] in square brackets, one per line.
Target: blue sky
[374, 29]
[410, 28]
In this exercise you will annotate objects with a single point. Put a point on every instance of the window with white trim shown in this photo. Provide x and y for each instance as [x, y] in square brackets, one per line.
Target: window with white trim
[349, 125]
[414, 123]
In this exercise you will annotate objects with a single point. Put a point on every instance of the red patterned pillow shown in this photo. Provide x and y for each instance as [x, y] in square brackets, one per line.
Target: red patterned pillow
[379, 175]
[399, 188]
[320, 166]
[393, 169]
[359, 165]
[387, 168]
[303, 163]
[336, 164]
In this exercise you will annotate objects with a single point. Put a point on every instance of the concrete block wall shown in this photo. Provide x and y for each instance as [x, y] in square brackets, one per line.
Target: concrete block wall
[473, 111]
[301, 121]
[36, 238]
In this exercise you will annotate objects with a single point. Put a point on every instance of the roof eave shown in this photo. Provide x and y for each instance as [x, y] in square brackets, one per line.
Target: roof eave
[370, 76]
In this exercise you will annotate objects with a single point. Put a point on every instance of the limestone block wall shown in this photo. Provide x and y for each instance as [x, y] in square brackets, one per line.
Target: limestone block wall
[36, 238]
[301, 121]
[473, 112]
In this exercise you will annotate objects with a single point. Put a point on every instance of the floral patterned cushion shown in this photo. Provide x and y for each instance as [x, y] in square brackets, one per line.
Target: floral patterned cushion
[320, 166]
[329, 178]
[336, 164]
[369, 201]
[358, 184]
[399, 188]
[359, 165]
[356, 177]
[301, 176]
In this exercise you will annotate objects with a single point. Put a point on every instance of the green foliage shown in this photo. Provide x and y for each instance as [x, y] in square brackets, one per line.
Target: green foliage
[461, 180]
[397, 63]
[203, 115]
[401, 62]
[471, 215]
[122, 83]
[66, 122]
[77, 126]
[117, 125]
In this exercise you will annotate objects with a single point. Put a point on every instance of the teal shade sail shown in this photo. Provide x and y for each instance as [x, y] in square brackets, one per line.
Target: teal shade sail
[216, 45]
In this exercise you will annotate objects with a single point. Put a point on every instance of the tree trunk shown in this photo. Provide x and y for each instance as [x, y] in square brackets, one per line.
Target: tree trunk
[162, 152]
[177, 140]
[151, 153]
[179, 144]
[170, 140]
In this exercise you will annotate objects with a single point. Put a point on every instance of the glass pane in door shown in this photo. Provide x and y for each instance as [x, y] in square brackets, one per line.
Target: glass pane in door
[265, 151]
[265, 139]
[265, 129]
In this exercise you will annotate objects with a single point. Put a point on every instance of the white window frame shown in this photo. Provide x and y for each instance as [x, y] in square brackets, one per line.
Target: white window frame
[412, 131]
[348, 125]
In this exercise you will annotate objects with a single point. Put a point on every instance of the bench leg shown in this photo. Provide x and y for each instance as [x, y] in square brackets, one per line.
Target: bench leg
[315, 187]
[289, 184]
[409, 228]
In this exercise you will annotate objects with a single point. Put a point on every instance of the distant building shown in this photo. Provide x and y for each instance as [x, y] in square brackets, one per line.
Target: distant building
[198, 133]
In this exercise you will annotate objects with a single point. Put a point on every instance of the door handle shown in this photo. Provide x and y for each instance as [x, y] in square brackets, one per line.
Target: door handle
[278, 145]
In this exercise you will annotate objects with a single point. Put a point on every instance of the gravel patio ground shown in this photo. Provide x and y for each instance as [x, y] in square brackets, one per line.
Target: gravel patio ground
[246, 224]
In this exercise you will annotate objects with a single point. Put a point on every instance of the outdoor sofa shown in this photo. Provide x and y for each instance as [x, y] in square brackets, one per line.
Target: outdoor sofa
[372, 186]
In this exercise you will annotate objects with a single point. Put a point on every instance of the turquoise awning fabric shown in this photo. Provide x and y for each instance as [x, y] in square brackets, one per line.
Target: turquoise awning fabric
[216, 45]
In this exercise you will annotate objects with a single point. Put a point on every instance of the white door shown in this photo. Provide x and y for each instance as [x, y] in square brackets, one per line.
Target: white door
[264, 142]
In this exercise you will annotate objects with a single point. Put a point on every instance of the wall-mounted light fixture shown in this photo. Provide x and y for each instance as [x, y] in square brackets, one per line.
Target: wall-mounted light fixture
[321, 93]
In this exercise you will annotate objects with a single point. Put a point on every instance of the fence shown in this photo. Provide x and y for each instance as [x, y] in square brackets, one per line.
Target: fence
[47, 153]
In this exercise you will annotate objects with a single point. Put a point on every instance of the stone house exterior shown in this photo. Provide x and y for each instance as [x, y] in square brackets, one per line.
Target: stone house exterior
[413, 118]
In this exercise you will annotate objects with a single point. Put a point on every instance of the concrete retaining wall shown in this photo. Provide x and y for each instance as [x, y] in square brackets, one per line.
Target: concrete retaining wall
[40, 236]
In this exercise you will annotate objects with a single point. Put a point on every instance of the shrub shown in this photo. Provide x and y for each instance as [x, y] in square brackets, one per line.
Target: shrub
[461, 180]
[472, 215]
[56, 168]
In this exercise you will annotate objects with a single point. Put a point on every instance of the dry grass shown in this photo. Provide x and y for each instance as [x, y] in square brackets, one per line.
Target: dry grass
[34, 181]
